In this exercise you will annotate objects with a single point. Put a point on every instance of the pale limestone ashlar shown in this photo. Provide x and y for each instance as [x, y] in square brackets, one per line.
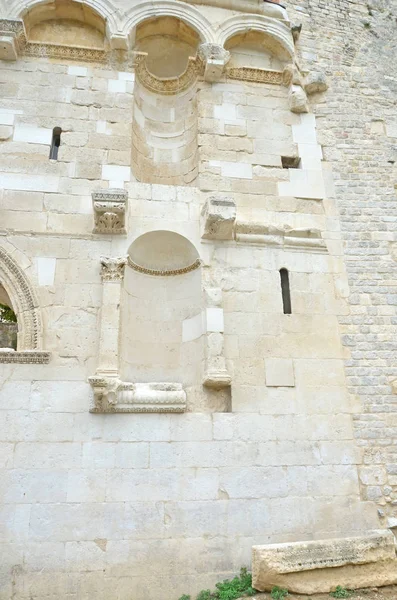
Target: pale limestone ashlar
[218, 219]
[110, 207]
[319, 566]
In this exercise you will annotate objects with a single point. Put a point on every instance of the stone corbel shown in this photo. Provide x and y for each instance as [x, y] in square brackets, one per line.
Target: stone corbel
[302, 86]
[218, 219]
[216, 375]
[12, 38]
[215, 59]
[109, 211]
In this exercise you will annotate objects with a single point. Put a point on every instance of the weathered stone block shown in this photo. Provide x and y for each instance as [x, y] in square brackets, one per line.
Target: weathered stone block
[218, 219]
[319, 566]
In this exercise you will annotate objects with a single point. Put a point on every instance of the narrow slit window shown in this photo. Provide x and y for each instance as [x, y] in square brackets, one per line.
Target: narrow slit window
[56, 142]
[285, 291]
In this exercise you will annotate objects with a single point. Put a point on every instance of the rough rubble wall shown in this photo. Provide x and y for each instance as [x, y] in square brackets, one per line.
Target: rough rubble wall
[355, 43]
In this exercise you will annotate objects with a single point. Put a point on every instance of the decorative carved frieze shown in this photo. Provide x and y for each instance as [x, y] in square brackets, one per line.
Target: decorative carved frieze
[109, 211]
[164, 273]
[215, 58]
[28, 357]
[111, 395]
[255, 75]
[166, 85]
[112, 269]
[38, 49]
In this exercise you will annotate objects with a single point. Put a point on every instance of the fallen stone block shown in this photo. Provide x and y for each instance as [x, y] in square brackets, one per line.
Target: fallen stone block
[317, 567]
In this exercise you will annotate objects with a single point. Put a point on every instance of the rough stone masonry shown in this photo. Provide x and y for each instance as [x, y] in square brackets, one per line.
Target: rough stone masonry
[198, 239]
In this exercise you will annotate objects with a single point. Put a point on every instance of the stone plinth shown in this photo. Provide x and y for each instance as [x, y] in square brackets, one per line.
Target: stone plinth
[317, 567]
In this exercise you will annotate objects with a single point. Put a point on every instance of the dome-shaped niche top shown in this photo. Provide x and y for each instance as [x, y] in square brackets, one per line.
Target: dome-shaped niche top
[256, 49]
[168, 42]
[163, 253]
[65, 22]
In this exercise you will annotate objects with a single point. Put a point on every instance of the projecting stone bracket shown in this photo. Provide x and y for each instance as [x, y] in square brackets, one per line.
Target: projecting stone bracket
[12, 38]
[111, 395]
[219, 222]
[110, 207]
[215, 59]
[300, 86]
[218, 219]
[318, 567]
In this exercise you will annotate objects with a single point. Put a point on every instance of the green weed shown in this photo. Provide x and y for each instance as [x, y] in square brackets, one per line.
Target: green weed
[229, 589]
[341, 592]
[278, 593]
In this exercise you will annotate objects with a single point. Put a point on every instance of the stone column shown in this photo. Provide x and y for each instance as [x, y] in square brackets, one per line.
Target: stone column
[112, 272]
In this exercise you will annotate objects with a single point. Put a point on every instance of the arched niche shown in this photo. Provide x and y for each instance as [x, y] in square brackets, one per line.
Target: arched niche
[161, 333]
[256, 49]
[25, 305]
[168, 42]
[65, 22]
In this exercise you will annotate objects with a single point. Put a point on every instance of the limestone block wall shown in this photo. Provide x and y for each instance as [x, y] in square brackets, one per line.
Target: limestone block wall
[155, 505]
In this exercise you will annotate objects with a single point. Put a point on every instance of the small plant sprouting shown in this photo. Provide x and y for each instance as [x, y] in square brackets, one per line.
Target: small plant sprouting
[228, 589]
[278, 593]
[341, 592]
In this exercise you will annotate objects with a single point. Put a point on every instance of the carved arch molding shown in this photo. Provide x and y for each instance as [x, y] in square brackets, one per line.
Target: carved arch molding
[26, 307]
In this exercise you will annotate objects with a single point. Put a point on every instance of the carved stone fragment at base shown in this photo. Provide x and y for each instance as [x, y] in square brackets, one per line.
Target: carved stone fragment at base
[111, 395]
[316, 567]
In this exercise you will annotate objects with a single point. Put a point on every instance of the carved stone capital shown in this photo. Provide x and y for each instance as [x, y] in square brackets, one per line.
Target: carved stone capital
[112, 269]
[111, 395]
[109, 211]
[218, 219]
[215, 58]
[12, 38]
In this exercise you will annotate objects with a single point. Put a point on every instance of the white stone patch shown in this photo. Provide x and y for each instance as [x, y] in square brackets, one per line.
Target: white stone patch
[192, 328]
[7, 118]
[101, 127]
[29, 183]
[311, 156]
[305, 132]
[303, 184]
[78, 71]
[46, 270]
[117, 86]
[279, 372]
[225, 111]
[232, 169]
[116, 173]
[32, 134]
[215, 321]
[125, 76]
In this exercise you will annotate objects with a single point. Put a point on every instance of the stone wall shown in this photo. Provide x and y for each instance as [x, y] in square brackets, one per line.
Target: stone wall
[300, 446]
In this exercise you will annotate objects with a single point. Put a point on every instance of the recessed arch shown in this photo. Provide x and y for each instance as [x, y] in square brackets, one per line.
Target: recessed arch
[166, 8]
[24, 303]
[103, 8]
[278, 30]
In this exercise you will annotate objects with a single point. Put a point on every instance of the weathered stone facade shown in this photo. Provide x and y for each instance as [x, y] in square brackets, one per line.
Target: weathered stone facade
[204, 279]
